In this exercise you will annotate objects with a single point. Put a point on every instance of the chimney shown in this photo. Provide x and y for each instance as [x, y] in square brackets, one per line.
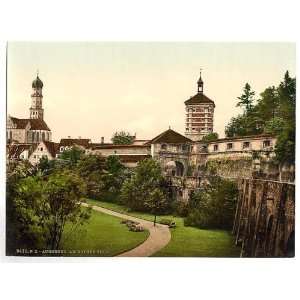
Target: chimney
[69, 136]
[102, 139]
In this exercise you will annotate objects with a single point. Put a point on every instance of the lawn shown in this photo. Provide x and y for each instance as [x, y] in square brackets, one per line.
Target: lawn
[104, 234]
[186, 241]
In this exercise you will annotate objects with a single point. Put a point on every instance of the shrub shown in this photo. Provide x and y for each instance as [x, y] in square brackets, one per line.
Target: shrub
[213, 206]
[168, 222]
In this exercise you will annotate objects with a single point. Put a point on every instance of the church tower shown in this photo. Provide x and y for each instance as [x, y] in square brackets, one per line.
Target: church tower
[199, 114]
[36, 109]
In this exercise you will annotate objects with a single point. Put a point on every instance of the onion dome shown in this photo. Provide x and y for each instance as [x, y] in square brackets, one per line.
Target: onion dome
[37, 83]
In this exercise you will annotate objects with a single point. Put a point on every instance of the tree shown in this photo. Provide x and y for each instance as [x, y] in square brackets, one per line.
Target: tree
[122, 138]
[116, 174]
[137, 191]
[72, 155]
[91, 168]
[156, 203]
[42, 206]
[46, 166]
[214, 205]
[246, 100]
[64, 193]
[274, 126]
[213, 136]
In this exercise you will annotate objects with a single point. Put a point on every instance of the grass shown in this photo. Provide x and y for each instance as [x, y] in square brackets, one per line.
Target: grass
[103, 235]
[185, 241]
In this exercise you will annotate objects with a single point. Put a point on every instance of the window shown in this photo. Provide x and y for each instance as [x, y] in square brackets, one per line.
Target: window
[216, 147]
[187, 129]
[34, 156]
[42, 149]
[61, 149]
[266, 144]
[229, 146]
[163, 146]
[246, 145]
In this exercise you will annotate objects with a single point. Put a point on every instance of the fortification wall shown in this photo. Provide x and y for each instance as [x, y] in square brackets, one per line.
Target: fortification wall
[265, 218]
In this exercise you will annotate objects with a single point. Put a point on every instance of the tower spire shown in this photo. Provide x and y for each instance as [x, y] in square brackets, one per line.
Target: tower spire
[200, 83]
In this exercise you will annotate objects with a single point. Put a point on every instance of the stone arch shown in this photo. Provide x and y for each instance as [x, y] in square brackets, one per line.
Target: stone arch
[290, 245]
[175, 168]
[179, 168]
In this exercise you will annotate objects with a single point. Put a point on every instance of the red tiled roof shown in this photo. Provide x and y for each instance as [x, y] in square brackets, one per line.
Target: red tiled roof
[113, 146]
[35, 124]
[198, 99]
[169, 137]
[257, 136]
[52, 147]
[71, 142]
[14, 150]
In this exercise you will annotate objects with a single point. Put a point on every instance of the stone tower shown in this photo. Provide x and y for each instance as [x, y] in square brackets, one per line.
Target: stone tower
[36, 109]
[199, 114]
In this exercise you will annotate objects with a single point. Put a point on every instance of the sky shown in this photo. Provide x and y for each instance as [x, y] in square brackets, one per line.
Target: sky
[93, 89]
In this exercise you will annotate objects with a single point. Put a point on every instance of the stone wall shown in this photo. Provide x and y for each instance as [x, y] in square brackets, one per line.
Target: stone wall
[265, 218]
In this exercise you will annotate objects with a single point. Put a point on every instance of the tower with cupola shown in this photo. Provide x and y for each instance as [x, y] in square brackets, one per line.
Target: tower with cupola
[36, 109]
[199, 114]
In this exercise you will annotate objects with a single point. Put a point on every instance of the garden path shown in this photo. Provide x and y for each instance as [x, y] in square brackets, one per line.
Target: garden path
[158, 238]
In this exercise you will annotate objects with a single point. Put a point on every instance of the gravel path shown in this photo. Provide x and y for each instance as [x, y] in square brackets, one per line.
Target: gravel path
[158, 238]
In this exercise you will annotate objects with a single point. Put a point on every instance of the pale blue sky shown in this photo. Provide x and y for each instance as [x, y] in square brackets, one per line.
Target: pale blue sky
[93, 89]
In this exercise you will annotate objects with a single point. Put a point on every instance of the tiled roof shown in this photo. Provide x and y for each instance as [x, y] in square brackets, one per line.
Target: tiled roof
[169, 137]
[14, 150]
[71, 142]
[114, 146]
[35, 124]
[234, 138]
[198, 99]
[52, 147]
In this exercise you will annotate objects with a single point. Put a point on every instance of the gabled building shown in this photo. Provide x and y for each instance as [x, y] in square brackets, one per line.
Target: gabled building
[43, 149]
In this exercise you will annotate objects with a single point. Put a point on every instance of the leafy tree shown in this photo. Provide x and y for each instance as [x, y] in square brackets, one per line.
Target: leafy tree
[274, 126]
[46, 166]
[274, 113]
[267, 105]
[72, 155]
[246, 100]
[122, 138]
[116, 174]
[137, 191]
[91, 169]
[210, 137]
[214, 205]
[40, 208]
[156, 203]
[64, 193]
